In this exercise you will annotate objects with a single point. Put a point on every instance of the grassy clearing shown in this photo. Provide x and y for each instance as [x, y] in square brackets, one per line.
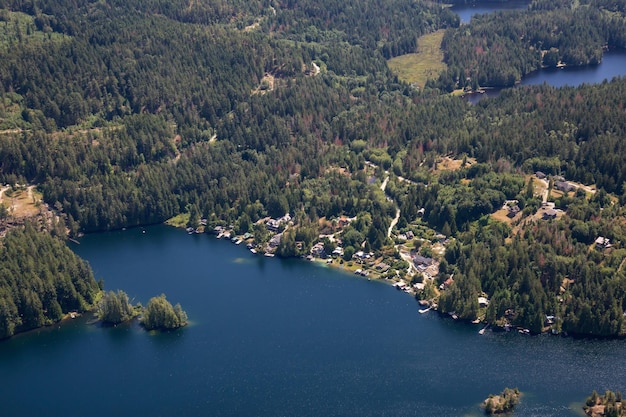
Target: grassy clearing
[17, 27]
[419, 67]
[179, 220]
[22, 201]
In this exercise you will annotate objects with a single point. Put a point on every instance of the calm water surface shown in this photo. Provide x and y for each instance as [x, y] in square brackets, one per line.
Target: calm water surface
[613, 62]
[467, 11]
[282, 338]
[613, 65]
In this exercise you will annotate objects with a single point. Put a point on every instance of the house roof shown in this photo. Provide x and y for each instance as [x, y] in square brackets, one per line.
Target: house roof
[422, 260]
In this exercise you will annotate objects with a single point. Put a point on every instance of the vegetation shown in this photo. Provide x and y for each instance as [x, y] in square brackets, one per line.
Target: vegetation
[607, 405]
[128, 113]
[503, 403]
[115, 308]
[497, 49]
[41, 280]
[427, 63]
[160, 315]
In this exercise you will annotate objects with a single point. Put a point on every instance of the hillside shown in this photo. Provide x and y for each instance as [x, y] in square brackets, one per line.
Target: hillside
[127, 113]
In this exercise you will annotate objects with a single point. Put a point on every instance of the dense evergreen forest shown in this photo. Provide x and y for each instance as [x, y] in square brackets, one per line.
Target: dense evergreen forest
[127, 113]
[498, 49]
[41, 280]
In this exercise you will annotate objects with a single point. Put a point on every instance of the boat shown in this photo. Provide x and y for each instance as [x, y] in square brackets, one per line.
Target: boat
[482, 331]
[425, 310]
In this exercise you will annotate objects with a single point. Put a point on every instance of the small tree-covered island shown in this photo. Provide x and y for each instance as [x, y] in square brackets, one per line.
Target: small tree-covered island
[607, 405]
[503, 403]
[282, 125]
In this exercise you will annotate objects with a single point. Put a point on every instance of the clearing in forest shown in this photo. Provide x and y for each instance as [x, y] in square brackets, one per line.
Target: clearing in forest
[20, 202]
[426, 64]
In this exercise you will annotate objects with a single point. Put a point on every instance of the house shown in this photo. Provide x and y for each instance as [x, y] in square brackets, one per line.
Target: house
[422, 262]
[603, 242]
[549, 214]
[362, 255]
[564, 186]
[409, 235]
[540, 175]
[483, 302]
[275, 240]
[512, 211]
[447, 283]
[382, 267]
[318, 250]
[338, 251]
[421, 212]
[272, 225]
[343, 221]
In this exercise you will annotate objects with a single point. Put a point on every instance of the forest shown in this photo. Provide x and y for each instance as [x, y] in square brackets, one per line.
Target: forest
[498, 49]
[127, 113]
[41, 280]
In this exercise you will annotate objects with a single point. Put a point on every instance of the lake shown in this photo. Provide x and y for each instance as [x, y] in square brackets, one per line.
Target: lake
[272, 337]
[613, 65]
[613, 62]
[466, 11]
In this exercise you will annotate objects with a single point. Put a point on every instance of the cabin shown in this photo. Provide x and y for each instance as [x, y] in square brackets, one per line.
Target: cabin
[318, 250]
[338, 251]
[483, 302]
[422, 262]
[272, 225]
[512, 211]
[540, 175]
[446, 283]
[382, 267]
[549, 214]
[362, 255]
[602, 243]
[564, 186]
[275, 240]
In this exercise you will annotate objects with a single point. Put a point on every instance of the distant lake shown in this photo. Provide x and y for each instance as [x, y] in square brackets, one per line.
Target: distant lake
[613, 62]
[272, 337]
[466, 11]
[613, 65]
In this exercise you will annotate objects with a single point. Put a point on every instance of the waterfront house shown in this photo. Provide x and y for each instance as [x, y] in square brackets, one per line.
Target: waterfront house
[382, 267]
[318, 250]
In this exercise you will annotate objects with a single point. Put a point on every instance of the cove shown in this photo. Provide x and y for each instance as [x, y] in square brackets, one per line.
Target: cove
[466, 11]
[272, 337]
[613, 65]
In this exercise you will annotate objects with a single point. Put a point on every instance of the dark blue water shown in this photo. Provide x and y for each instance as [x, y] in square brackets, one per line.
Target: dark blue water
[613, 65]
[282, 338]
[466, 11]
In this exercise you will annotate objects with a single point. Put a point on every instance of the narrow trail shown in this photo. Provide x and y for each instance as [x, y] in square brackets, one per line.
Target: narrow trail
[394, 221]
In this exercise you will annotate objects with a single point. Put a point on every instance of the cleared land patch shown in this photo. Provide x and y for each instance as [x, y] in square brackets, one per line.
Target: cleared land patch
[426, 64]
